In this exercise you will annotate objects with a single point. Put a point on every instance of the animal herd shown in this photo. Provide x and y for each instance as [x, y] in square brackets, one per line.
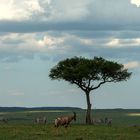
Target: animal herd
[66, 120]
[107, 121]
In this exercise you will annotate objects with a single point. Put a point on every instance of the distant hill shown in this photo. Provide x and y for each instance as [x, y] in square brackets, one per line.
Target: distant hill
[16, 109]
[13, 109]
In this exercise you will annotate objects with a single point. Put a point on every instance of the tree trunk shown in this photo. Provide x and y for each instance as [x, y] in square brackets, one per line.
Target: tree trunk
[88, 113]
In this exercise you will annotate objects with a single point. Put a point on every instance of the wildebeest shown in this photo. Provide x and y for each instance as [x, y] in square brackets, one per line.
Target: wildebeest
[64, 120]
[108, 121]
[3, 119]
[41, 120]
[97, 121]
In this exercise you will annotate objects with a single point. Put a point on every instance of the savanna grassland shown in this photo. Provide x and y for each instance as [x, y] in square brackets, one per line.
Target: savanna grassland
[21, 126]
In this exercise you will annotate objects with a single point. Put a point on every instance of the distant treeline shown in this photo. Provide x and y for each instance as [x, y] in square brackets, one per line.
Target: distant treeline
[14, 109]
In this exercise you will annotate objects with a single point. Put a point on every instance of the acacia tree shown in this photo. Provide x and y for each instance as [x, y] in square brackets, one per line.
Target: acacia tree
[89, 74]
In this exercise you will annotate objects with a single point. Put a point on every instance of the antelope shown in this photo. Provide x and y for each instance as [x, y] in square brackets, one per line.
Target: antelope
[42, 120]
[97, 121]
[108, 121]
[65, 120]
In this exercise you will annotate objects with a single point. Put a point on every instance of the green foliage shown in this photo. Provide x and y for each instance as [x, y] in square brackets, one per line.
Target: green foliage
[83, 72]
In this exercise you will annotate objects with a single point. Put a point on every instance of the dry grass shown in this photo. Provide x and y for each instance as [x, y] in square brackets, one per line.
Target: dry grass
[133, 114]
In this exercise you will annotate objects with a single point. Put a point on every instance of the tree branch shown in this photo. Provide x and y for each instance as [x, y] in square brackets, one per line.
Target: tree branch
[105, 81]
[79, 85]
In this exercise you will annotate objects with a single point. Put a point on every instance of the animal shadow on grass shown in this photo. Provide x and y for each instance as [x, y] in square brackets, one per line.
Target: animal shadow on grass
[61, 133]
[58, 132]
[80, 138]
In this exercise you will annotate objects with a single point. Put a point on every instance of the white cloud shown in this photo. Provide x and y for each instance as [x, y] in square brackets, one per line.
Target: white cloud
[18, 46]
[131, 65]
[43, 10]
[41, 15]
[39, 43]
[6, 10]
[87, 41]
[69, 10]
[10, 11]
[136, 2]
[113, 42]
[49, 41]
[119, 42]
[19, 10]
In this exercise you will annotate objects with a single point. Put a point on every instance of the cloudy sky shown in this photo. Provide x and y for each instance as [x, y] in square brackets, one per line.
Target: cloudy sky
[36, 34]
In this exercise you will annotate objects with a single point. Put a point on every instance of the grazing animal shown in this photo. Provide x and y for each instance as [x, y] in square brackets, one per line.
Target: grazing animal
[3, 119]
[97, 121]
[65, 120]
[41, 120]
[108, 121]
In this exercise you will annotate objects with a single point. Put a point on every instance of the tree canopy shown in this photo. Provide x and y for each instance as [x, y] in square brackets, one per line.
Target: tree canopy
[89, 74]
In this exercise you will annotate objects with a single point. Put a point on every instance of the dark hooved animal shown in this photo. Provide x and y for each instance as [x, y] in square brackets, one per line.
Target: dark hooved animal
[65, 120]
[41, 120]
[3, 119]
[96, 121]
[108, 121]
